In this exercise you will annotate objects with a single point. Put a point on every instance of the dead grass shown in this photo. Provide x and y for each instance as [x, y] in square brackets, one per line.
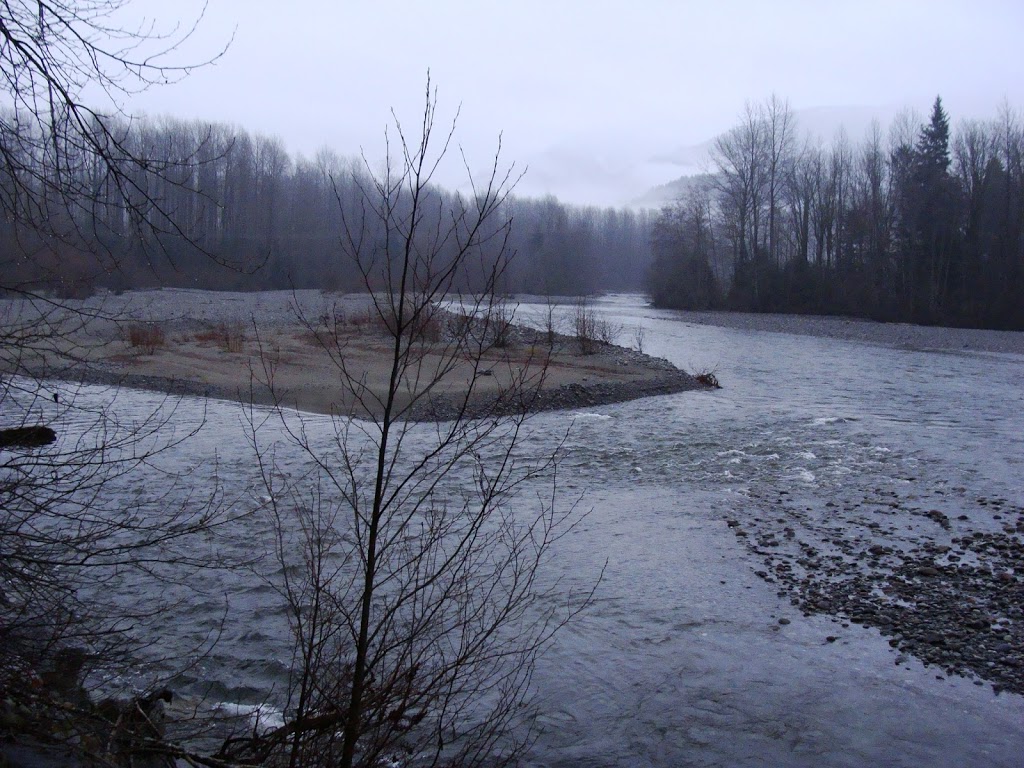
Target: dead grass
[338, 326]
[230, 337]
[146, 337]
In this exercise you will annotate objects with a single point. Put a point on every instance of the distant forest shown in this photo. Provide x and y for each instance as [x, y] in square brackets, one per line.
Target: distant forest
[916, 225]
[919, 226]
[228, 210]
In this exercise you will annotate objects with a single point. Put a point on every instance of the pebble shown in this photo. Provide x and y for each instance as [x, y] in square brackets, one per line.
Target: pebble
[965, 614]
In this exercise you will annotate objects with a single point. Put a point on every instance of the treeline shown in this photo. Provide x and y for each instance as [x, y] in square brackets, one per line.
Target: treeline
[209, 205]
[919, 226]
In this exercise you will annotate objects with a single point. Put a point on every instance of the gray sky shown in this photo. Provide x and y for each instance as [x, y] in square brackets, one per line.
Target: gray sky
[597, 98]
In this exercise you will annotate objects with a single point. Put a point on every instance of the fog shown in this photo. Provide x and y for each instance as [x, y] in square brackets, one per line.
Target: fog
[600, 101]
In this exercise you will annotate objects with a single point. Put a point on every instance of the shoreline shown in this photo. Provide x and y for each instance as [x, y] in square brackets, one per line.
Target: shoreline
[920, 338]
[564, 397]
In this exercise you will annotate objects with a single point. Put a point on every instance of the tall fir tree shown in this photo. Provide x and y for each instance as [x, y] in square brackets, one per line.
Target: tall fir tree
[936, 266]
[933, 144]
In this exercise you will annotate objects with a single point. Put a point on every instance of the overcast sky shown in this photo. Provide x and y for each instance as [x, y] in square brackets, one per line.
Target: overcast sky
[596, 98]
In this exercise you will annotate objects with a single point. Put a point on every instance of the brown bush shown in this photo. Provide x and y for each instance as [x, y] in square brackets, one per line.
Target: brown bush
[591, 330]
[146, 336]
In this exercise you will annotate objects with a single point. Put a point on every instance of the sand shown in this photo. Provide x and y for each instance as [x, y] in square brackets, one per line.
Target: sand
[303, 349]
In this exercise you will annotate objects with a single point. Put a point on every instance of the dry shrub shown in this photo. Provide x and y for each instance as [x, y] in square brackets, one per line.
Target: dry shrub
[584, 323]
[334, 326]
[146, 337]
[229, 337]
[428, 329]
[550, 323]
[364, 320]
[708, 379]
[493, 328]
[591, 330]
[501, 318]
[608, 332]
[329, 329]
[460, 325]
[423, 327]
[639, 336]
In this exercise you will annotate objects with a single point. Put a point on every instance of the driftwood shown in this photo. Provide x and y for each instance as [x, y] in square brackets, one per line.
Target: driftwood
[26, 437]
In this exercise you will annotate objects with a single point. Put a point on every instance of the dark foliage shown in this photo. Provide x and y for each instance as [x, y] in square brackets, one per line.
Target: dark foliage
[927, 229]
[224, 198]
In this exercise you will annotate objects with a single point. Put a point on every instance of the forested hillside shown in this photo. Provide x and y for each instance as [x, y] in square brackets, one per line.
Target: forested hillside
[923, 225]
[269, 220]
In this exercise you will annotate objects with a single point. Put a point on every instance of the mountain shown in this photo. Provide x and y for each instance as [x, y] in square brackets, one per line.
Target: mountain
[664, 194]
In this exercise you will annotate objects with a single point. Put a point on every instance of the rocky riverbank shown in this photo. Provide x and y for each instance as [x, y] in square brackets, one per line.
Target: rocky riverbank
[944, 579]
[611, 374]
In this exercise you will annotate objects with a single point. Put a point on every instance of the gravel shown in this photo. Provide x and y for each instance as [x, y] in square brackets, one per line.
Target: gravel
[948, 589]
[663, 379]
[899, 335]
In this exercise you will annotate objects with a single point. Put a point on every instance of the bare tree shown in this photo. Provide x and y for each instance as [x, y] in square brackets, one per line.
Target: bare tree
[779, 136]
[73, 530]
[71, 169]
[639, 337]
[412, 571]
[739, 159]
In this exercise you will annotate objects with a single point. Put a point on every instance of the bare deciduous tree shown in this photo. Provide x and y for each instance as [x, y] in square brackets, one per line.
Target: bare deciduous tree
[412, 570]
[73, 174]
[70, 533]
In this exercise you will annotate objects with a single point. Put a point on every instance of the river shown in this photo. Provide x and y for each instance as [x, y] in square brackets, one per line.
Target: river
[688, 656]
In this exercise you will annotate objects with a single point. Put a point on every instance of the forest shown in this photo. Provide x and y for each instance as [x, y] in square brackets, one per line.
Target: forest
[923, 225]
[224, 209]
[917, 224]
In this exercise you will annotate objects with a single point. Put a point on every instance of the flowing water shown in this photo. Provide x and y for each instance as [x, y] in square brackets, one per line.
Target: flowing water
[682, 659]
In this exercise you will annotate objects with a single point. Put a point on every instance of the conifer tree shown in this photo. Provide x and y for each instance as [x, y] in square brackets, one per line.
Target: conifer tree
[933, 145]
[936, 217]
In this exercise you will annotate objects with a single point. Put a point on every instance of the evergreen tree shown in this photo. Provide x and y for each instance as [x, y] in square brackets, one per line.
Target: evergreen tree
[937, 219]
[932, 149]
[927, 220]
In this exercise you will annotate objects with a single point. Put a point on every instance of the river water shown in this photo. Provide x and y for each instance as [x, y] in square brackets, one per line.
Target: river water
[682, 660]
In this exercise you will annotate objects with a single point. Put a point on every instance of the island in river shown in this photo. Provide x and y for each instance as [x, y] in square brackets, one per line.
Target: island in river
[229, 345]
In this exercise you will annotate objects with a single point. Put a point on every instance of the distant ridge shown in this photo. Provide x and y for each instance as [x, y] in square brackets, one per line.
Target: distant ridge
[670, 192]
